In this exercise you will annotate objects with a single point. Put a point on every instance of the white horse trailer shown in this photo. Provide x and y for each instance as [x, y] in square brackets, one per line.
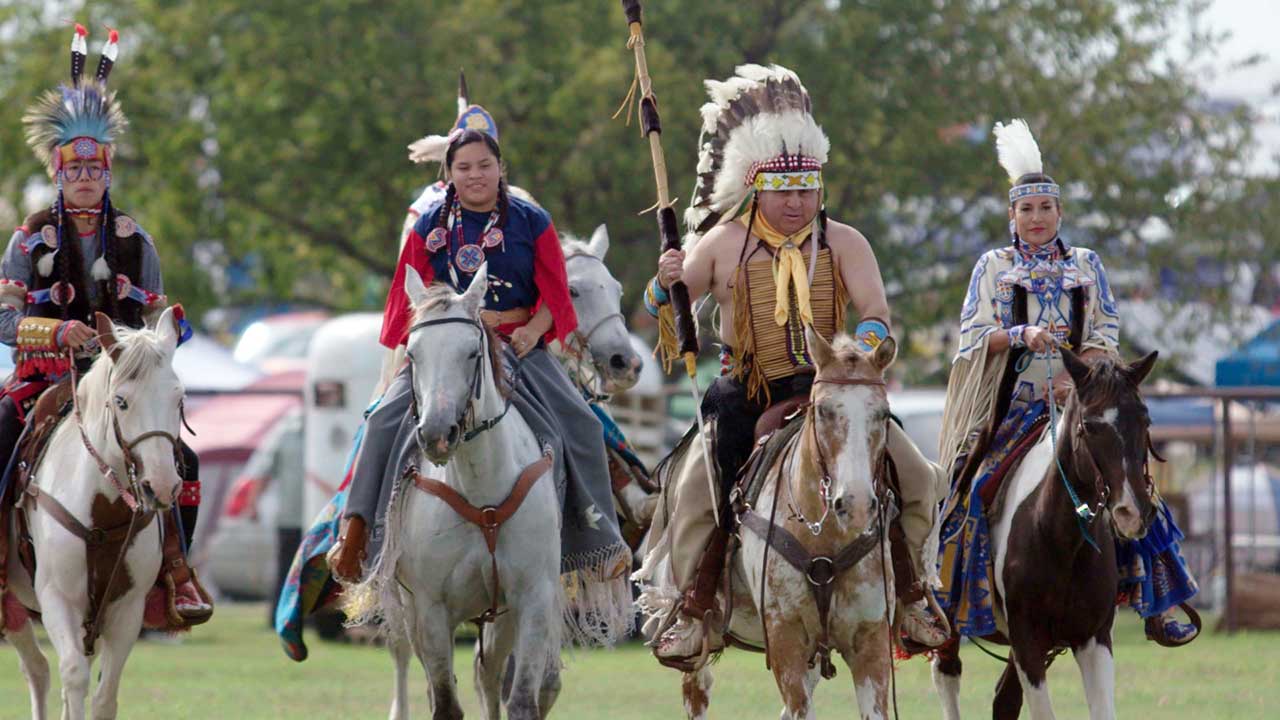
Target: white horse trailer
[343, 369]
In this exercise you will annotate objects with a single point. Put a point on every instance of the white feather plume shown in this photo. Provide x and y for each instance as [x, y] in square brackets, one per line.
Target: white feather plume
[1017, 149]
[101, 271]
[431, 148]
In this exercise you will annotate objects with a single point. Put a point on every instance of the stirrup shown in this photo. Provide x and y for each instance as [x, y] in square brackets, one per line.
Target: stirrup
[689, 663]
[192, 616]
[1172, 633]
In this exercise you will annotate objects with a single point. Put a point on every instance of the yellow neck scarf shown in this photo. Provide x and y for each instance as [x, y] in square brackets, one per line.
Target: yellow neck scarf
[788, 266]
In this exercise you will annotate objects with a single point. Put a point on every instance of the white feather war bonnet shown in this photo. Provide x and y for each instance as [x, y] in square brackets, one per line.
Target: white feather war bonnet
[1019, 155]
[758, 134]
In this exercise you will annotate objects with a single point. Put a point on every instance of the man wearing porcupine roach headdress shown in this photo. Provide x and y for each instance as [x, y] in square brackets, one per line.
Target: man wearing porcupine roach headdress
[67, 262]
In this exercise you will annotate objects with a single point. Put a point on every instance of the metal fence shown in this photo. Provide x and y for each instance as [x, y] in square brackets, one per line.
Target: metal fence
[1243, 426]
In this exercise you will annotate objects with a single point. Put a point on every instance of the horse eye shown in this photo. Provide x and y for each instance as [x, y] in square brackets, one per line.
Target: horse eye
[120, 403]
[573, 293]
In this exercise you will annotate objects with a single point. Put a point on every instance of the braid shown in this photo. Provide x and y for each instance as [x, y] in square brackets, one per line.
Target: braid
[822, 225]
[504, 202]
[450, 194]
[63, 269]
[107, 300]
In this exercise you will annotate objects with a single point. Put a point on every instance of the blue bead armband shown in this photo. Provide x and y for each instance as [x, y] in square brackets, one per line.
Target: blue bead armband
[870, 333]
[655, 297]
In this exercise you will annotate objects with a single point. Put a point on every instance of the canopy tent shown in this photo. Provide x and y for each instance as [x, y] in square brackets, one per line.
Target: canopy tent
[1255, 363]
[205, 366]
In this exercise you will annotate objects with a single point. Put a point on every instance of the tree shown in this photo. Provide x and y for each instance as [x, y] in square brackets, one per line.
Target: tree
[278, 129]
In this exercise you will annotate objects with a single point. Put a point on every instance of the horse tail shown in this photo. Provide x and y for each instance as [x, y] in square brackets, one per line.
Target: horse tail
[376, 599]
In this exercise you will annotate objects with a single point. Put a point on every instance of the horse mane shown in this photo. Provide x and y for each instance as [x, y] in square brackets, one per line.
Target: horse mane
[848, 355]
[570, 245]
[141, 352]
[441, 297]
[1109, 383]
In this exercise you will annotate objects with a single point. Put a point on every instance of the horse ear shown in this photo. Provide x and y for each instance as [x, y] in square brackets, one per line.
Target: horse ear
[599, 244]
[885, 353]
[413, 286]
[819, 348]
[106, 335]
[167, 328]
[1077, 368]
[1139, 370]
[473, 298]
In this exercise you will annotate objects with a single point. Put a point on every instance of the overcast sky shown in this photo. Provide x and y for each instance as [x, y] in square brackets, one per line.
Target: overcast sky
[1253, 25]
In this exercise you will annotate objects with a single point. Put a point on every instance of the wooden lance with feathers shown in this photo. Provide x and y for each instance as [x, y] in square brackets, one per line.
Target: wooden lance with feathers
[651, 126]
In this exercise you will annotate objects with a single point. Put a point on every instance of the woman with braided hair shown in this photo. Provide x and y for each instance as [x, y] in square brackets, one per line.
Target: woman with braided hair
[527, 303]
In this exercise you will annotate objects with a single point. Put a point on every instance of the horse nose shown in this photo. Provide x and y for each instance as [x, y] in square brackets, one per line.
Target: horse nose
[617, 362]
[454, 431]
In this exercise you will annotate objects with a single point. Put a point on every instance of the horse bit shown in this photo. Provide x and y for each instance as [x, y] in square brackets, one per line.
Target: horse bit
[828, 502]
[467, 414]
[583, 340]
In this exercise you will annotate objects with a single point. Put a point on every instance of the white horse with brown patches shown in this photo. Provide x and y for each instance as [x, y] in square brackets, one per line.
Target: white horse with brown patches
[815, 537]
[130, 401]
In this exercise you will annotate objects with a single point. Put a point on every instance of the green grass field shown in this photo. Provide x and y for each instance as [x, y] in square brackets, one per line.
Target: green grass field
[234, 668]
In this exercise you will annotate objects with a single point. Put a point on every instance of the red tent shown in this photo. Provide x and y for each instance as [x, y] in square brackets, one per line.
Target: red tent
[228, 427]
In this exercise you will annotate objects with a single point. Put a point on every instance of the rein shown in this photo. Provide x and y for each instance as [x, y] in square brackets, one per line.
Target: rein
[821, 571]
[126, 494]
[1084, 514]
[825, 479]
[98, 538]
[133, 465]
[477, 376]
[583, 343]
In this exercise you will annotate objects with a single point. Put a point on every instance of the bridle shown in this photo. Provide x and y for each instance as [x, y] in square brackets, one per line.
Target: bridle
[134, 467]
[582, 340]
[825, 481]
[467, 418]
[1080, 445]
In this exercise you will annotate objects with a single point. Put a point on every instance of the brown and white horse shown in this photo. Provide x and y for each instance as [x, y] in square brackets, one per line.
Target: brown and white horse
[1055, 591]
[91, 509]
[815, 536]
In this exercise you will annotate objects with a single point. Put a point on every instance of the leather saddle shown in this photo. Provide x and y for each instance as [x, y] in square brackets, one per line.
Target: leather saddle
[44, 417]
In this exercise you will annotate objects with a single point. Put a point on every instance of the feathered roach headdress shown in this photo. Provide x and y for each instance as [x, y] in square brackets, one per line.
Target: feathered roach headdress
[758, 133]
[80, 121]
[433, 148]
[1019, 156]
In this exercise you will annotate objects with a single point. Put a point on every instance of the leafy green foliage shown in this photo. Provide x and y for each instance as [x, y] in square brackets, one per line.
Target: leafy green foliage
[277, 130]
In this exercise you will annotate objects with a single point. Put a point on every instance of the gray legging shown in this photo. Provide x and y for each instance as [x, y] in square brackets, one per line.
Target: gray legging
[383, 430]
[556, 413]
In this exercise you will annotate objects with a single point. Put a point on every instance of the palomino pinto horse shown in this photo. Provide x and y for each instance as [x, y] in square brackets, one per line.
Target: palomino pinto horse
[813, 559]
[91, 508]
[446, 559]
[1054, 590]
